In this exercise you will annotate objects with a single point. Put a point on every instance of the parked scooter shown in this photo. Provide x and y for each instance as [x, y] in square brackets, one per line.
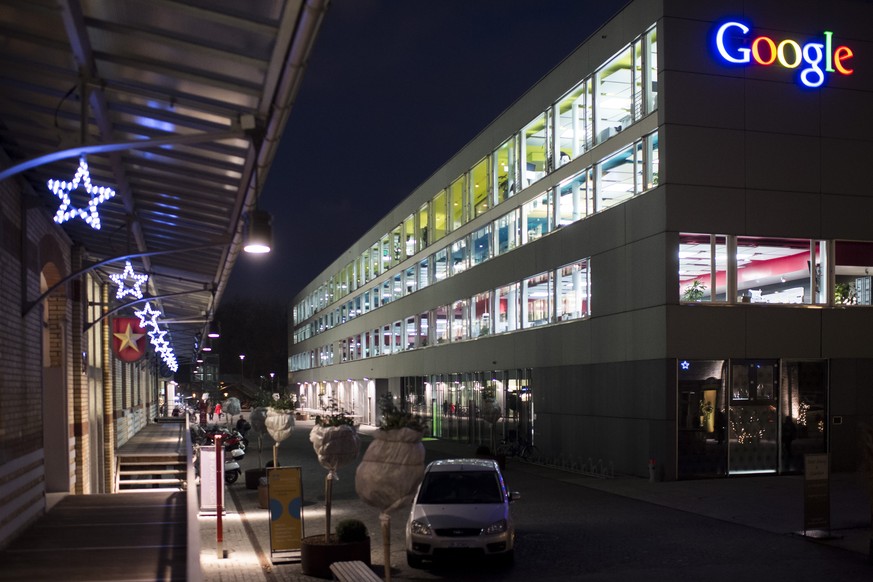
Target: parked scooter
[232, 470]
[234, 453]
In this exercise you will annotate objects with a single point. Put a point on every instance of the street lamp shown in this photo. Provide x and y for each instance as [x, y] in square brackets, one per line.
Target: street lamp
[242, 366]
[272, 381]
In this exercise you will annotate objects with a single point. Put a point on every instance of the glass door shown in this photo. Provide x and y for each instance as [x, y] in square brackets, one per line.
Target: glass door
[752, 420]
[804, 412]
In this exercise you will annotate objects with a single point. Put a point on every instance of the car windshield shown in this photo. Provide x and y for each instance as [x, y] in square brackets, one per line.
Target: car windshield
[461, 487]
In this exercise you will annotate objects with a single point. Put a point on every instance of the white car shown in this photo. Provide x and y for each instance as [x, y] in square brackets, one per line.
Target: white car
[461, 507]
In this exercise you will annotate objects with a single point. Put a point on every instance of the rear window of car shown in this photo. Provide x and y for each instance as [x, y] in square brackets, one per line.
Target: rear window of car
[460, 487]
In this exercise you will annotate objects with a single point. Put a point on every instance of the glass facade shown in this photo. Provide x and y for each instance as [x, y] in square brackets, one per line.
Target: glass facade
[614, 97]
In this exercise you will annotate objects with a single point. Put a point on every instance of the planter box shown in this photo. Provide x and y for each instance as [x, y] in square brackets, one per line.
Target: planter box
[264, 494]
[317, 556]
[253, 476]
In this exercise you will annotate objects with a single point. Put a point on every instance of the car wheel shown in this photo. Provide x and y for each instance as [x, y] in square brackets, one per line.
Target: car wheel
[413, 560]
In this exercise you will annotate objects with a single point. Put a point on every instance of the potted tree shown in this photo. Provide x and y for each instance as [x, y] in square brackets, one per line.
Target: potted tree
[258, 420]
[694, 292]
[279, 421]
[350, 543]
[336, 443]
[392, 467]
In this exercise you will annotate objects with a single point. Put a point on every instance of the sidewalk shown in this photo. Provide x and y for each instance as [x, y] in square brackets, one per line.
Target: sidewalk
[767, 503]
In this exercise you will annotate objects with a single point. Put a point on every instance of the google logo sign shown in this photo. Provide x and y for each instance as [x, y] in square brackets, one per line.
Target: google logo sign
[814, 59]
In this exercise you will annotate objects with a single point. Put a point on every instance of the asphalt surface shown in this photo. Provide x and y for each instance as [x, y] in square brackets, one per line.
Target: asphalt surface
[571, 526]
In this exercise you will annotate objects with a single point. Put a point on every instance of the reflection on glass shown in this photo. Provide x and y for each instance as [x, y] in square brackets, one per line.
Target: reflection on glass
[615, 178]
[574, 197]
[423, 239]
[480, 315]
[481, 240]
[507, 232]
[440, 220]
[460, 330]
[533, 151]
[574, 123]
[504, 170]
[614, 96]
[507, 303]
[460, 256]
[480, 188]
[441, 329]
[456, 203]
[441, 264]
[537, 300]
[536, 218]
[777, 270]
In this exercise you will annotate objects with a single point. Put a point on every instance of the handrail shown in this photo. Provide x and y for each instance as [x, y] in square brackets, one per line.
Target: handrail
[193, 570]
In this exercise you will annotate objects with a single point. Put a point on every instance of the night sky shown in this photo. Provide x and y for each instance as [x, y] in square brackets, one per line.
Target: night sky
[392, 90]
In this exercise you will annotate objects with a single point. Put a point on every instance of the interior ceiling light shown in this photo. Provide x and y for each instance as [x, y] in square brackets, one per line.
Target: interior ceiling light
[259, 233]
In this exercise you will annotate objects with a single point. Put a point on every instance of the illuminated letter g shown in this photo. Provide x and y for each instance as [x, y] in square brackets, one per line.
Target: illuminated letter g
[742, 54]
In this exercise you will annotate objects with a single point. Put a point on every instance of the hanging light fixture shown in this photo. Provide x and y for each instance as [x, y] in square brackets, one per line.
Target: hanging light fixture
[259, 233]
[214, 330]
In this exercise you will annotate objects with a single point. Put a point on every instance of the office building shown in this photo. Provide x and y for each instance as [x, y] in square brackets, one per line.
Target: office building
[659, 254]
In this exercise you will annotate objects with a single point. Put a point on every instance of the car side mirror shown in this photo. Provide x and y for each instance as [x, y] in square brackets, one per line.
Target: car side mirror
[514, 496]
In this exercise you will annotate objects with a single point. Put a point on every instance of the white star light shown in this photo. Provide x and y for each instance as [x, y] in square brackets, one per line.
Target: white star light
[148, 318]
[62, 189]
[128, 273]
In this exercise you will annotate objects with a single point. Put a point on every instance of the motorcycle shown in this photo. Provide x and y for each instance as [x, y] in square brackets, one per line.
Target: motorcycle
[206, 436]
[234, 453]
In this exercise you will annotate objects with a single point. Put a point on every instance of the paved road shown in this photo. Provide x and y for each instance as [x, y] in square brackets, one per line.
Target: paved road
[566, 531]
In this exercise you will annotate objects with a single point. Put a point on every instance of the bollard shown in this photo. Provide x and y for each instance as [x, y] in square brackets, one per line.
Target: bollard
[653, 469]
[219, 490]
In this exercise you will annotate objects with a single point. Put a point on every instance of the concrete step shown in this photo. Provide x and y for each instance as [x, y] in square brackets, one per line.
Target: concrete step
[124, 472]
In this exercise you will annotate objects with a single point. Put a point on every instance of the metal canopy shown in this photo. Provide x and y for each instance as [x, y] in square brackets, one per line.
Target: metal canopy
[184, 102]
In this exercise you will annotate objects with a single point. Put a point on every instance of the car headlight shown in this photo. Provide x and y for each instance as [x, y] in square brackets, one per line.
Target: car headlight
[496, 527]
[420, 528]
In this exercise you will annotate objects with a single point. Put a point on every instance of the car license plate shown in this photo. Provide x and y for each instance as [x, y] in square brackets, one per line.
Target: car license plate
[459, 544]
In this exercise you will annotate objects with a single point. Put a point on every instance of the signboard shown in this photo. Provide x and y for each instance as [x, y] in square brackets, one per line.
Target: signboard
[816, 492]
[814, 59]
[285, 493]
[128, 339]
[211, 478]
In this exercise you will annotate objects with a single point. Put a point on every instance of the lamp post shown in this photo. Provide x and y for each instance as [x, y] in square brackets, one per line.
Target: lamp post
[272, 381]
[242, 367]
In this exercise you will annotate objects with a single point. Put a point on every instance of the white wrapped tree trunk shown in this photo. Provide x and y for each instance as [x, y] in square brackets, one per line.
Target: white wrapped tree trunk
[391, 469]
[336, 446]
[279, 424]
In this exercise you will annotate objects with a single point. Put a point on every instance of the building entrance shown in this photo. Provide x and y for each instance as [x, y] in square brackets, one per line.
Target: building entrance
[753, 419]
[739, 417]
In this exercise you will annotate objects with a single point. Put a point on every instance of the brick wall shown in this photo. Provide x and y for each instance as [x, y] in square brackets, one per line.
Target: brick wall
[26, 235]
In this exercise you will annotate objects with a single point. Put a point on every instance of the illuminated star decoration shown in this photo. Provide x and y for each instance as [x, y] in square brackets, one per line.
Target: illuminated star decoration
[128, 339]
[62, 189]
[685, 364]
[148, 318]
[128, 273]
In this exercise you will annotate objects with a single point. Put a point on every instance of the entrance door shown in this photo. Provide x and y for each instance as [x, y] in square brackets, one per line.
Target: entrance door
[753, 416]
